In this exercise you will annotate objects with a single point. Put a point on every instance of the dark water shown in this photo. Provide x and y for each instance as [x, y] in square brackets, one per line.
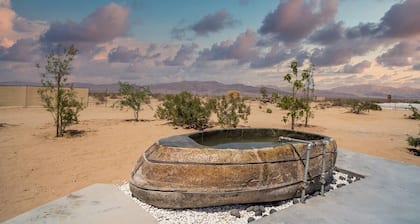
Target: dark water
[247, 138]
[240, 143]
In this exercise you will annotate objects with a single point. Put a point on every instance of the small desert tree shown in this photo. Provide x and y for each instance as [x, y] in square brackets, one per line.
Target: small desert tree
[133, 97]
[263, 92]
[230, 109]
[415, 111]
[307, 96]
[57, 95]
[294, 104]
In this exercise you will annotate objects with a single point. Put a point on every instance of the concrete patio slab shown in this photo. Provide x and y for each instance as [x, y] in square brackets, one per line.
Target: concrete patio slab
[389, 193]
[98, 203]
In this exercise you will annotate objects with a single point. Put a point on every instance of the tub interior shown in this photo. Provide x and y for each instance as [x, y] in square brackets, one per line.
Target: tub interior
[247, 138]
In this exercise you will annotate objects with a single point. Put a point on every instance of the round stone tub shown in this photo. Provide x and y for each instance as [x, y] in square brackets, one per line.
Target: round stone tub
[230, 166]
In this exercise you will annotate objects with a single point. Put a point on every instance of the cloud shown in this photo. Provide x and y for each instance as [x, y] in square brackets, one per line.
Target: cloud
[24, 25]
[328, 34]
[210, 23]
[24, 50]
[7, 15]
[122, 54]
[105, 24]
[342, 51]
[357, 68]
[276, 55]
[363, 30]
[5, 4]
[402, 20]
[14, 27]
[213, 23]
[242, 49]
[295, 20]
[400, 55]
[184, 54]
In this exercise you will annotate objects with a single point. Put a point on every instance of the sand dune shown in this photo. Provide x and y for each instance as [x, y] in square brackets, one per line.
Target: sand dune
[36, 168]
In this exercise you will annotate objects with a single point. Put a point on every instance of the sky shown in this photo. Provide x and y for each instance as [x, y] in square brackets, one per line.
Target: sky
[348, 42]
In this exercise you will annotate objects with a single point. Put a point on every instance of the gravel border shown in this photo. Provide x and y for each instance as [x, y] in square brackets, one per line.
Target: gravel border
[235, 214]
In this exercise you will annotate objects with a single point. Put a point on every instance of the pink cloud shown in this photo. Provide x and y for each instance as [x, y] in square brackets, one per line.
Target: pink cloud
[243, 49]
[294, 20]
[105, 24]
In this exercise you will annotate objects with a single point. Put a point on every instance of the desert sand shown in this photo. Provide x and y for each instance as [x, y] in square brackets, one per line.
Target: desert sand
[36, 167]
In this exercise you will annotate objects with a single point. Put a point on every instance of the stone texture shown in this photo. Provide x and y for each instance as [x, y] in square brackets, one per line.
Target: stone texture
[171, 176]
[235, 212]
[251, 219]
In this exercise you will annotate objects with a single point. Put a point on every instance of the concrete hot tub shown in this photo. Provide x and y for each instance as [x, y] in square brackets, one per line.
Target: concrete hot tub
[232, 166]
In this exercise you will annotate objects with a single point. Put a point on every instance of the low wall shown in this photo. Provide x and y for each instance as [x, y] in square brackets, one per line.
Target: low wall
[27, 96]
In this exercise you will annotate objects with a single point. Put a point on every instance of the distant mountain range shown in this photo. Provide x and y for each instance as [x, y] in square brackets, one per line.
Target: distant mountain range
[217, 88]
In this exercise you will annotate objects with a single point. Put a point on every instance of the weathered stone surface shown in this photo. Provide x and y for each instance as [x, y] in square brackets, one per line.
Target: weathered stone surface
[273, 211]
[251, 219]
[258, 213]
[235, 212]
[179, 173]
[250, 208]
[340, 185]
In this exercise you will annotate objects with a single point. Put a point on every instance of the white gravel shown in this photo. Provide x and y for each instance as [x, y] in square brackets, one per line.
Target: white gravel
[221, 214]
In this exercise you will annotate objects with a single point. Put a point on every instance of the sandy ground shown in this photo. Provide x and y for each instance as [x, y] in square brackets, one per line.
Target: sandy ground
[36, 167]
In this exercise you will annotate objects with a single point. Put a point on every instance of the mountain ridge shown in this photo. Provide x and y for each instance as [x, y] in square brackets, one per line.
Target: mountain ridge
[217, 88]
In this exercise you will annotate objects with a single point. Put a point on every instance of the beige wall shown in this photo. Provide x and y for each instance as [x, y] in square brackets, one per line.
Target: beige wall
[27, 96]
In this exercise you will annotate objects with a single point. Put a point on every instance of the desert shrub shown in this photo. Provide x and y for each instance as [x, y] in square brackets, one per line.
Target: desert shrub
[415, 113]
[274, 98]
[324, 105]
[159, 96]
[263, 92]
[414, 145]
[133, 97]
[101, 97]
[373, 106]
[211, 103]
[269, 111]
[413, 141]
[358, 107]
[343, 102]
[186, 110]
[230, 109]
[113, 96]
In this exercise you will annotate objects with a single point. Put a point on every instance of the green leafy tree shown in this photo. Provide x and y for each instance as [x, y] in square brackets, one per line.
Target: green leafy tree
[133, 97]
[293, 103]
[57, 95]
[186, 110]
[230, 109]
